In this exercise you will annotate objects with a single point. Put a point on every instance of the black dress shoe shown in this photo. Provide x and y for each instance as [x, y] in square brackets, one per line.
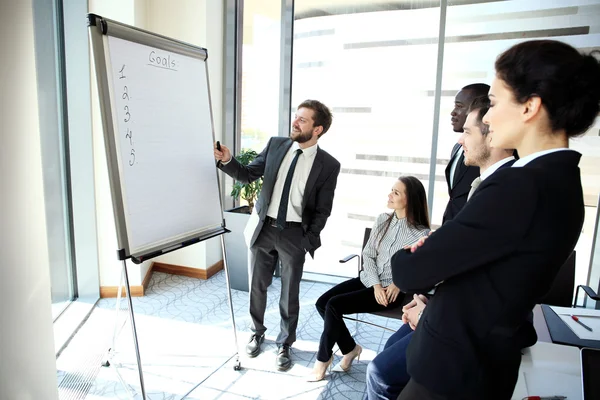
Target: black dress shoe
[253, 346]
[284, 359]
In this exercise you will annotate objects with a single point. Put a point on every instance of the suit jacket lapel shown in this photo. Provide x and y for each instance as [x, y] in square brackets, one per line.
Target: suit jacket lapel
[312, 176]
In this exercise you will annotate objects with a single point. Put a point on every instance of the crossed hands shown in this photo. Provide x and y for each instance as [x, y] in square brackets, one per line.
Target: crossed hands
[411, 310]
[386, 295]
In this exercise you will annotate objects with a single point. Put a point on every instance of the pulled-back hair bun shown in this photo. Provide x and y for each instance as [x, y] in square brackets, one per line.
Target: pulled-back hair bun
[567, 82]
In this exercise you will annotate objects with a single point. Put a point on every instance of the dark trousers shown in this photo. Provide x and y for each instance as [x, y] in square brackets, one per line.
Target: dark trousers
[415, 391]
[347, 297]
[387, 374]
[271, 245]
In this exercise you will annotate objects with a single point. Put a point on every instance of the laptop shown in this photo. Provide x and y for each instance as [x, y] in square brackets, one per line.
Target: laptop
[590, 373]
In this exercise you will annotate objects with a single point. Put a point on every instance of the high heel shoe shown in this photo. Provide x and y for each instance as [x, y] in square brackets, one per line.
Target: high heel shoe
[355, 353]
[317, 376]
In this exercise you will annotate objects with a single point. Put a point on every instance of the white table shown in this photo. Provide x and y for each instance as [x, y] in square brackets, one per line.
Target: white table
[549, 369]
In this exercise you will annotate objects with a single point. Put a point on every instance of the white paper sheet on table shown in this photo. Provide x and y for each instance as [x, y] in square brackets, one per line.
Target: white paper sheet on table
[549, 369]
[588, 316]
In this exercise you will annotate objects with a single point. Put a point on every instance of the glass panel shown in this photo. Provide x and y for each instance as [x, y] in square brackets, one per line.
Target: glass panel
[260, 72]
[49, 52]
[376, 70]
[475, 35]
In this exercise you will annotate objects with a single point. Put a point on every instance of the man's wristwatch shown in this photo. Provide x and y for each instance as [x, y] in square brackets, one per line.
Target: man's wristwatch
[419, 315]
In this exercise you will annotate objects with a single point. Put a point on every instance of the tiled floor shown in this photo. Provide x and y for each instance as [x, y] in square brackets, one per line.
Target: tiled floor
[188, 351]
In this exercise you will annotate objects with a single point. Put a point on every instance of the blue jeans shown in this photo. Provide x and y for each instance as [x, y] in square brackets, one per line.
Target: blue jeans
[387, 374]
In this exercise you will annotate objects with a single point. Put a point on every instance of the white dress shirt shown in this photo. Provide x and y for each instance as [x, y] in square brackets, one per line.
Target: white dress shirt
[459, 153]
[303, 167]
[527, 159]
[494, 167]
[486, 174]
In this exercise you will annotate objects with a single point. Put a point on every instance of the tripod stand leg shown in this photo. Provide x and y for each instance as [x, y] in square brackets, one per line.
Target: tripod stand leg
[113, 348]
[135, 341]
[237, 366]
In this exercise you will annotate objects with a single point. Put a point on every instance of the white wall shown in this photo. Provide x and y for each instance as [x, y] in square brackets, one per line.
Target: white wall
[28, 367]
[196, 22]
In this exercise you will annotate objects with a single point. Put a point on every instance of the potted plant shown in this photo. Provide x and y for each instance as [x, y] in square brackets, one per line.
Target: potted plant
[247, 191]
[236, 220]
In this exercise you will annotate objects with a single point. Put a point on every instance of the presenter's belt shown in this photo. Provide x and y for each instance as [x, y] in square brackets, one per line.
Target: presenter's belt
[273, 223]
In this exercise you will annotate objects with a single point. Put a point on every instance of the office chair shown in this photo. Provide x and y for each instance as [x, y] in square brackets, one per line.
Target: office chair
[394, 313]
[561, 291]
[589, 293]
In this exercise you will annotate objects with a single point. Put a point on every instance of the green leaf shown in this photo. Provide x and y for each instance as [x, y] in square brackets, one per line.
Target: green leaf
[248, 191]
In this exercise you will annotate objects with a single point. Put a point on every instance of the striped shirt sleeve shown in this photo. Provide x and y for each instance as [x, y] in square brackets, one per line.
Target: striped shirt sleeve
[378, 251]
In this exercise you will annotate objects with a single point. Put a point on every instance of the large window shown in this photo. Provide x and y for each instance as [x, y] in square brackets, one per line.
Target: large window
[377, 73]
[375, 65]
[477, 33]
[51, 82]
[260, 72]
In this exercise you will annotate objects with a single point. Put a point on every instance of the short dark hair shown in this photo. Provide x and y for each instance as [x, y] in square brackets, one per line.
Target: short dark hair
[566, 81]
[322, 114]
[477, 89]
[480, 104]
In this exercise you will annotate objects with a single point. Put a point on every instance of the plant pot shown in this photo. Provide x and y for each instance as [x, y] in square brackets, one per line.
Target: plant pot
[238, 255]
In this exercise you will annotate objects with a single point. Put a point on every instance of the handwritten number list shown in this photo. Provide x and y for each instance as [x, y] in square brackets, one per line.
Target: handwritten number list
[127, 118]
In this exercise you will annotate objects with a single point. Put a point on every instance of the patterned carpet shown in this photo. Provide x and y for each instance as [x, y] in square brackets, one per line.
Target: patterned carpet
[187, 347]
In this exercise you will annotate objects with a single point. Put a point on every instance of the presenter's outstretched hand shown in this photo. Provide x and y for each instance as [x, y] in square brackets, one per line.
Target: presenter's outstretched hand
[223, 155]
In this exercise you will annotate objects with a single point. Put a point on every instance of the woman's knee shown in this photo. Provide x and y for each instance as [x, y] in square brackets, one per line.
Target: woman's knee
[334, 306]
[321, 303]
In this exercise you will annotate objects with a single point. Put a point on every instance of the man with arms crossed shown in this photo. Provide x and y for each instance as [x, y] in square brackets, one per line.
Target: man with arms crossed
[293, 207]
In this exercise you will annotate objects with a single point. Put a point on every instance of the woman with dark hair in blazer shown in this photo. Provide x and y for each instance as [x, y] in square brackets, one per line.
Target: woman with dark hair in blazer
[501, 253]
[373, 290]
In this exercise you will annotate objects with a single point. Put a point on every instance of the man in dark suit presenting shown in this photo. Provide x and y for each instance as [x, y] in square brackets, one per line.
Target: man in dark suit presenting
[458, 175]
[293, 207]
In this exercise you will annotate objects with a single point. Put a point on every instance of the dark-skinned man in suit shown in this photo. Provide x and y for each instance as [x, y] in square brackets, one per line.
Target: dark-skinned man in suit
[293, 207]
[458, 175]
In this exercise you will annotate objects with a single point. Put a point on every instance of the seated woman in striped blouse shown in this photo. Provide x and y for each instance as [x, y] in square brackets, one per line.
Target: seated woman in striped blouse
[373, 290]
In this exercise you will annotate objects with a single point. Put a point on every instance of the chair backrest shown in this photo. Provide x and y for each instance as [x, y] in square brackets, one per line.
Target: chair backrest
[365, 240]
[394, 313]
[561, 291]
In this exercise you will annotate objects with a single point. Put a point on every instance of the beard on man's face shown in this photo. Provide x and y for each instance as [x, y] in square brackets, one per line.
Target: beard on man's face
[299, 136]
[478, 159]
